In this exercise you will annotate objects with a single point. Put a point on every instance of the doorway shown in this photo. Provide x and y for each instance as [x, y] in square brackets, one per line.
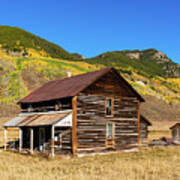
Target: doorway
[26, 138]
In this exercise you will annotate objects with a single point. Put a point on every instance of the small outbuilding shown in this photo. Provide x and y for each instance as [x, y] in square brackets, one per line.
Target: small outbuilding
[175, 131]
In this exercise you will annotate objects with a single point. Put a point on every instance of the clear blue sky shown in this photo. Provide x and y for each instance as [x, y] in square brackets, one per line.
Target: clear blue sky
[91, 27]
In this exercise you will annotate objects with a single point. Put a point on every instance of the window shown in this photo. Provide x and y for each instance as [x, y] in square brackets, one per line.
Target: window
[109, 106]
[110, 131]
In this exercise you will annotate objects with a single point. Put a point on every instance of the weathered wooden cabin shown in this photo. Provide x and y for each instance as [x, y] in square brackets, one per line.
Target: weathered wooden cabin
[92, 112]
[145, 123]
[175, 132]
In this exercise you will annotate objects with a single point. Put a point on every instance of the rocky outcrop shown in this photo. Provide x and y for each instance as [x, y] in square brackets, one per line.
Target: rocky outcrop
[134, 55]
[161, 57]
[171, 69]
[154, 55]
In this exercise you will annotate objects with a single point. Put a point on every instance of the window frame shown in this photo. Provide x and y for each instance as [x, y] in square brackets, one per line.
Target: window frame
[112, 106]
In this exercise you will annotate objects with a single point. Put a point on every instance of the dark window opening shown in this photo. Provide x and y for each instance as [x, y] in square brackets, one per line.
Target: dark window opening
[109, 107]
[53, 105]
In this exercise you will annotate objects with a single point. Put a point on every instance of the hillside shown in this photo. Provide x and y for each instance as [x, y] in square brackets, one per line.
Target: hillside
[150, 72]
[18, 42]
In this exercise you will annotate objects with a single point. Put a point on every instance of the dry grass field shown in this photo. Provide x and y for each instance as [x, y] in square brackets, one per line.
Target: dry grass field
[148, 164]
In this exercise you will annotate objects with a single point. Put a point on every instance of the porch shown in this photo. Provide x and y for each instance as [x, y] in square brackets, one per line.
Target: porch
[49, 132]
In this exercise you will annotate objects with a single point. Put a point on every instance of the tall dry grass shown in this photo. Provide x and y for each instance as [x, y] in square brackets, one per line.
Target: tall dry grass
[149, 164]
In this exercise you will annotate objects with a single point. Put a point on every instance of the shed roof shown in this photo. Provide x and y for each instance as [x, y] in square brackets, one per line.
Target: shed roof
[175, 125]
[69, 87]
[37, 119]
[142, 118]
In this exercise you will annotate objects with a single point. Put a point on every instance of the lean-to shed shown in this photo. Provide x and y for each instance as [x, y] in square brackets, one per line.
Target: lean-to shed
[175, 131]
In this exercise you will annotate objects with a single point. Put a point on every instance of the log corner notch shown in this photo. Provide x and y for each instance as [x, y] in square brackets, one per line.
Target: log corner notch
[74, 125]
[139, 123]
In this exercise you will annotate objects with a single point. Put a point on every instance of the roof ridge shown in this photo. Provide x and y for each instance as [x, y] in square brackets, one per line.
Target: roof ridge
[78, 75]
[70, 86]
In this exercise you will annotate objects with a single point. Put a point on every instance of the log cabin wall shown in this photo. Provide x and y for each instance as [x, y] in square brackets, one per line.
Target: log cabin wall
[126, 122]
[92, 120]
[66, 137]
[144, 132]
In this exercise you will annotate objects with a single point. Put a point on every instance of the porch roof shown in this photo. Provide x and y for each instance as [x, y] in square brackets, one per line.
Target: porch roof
[37, 119]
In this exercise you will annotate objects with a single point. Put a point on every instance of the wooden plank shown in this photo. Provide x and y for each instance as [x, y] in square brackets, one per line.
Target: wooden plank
[74, 125]
[112, 105]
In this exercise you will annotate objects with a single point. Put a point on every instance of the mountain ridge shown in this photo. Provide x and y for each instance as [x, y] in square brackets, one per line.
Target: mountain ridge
[159, 63]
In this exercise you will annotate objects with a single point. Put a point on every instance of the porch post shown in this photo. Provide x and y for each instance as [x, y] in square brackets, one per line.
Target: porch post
[20, 139]
[32, 141]
[5, 138]
[52, 141]
[74, 125]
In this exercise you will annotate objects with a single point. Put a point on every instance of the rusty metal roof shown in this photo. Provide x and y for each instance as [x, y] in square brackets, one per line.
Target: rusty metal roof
[37, 119]
[69, 87]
